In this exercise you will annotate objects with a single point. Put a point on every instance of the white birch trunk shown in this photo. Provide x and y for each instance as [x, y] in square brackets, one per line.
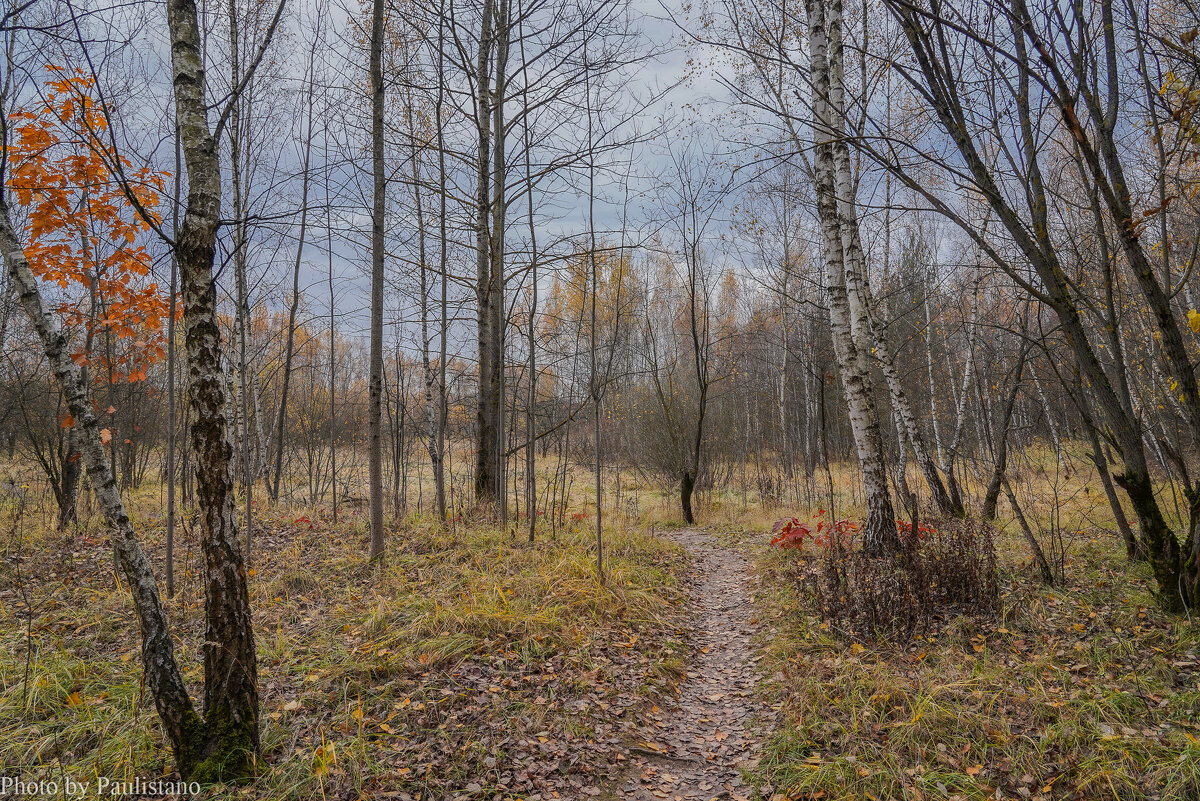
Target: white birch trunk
[847, 316]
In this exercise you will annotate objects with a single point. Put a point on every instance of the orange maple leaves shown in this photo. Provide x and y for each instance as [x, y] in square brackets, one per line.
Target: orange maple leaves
[83, 226]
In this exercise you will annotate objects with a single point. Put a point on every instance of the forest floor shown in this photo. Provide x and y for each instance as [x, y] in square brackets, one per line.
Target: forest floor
[471, 665]
[700, 748]
[1085, 691]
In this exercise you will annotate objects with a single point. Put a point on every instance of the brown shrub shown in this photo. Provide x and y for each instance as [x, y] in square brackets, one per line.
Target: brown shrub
[945, 571]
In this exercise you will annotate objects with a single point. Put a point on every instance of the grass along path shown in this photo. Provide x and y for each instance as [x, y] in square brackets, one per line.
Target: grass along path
[1085, 692]
[697, 750]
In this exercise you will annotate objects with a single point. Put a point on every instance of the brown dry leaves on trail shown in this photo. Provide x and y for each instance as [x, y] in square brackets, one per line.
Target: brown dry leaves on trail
[699, 748]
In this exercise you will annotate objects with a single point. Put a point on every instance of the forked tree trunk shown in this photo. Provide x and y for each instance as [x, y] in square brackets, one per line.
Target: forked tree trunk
[835, 210]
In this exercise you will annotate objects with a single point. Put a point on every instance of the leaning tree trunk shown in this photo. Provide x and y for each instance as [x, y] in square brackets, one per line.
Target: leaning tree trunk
[294, 305]
[1133, 548]
[183, 726]
[1000, 463]
[1176, 587]
[906, 419]
[1035, 547]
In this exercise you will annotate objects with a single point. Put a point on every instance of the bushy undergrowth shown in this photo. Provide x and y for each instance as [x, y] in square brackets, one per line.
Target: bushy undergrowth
[1084, 692]
[942, 570]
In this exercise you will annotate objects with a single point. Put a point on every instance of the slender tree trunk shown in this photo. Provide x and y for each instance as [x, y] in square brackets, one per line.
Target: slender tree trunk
[171, 417]
[437, 439]
[241, 290]
[700, 353]
[499, 209]
[332, 432]
[531, 326]
[488, 411]
[960, 406]
[294, 305]
[593, 277]
[68, 494]
[375, 390]
[906, 419]
[1000, 439]
[1053, 426]
[933, 383]
[1134, 548]
[1035, 547]
[430, 377]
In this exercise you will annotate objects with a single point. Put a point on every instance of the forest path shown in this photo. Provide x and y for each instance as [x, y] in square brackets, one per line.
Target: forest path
[695, 750]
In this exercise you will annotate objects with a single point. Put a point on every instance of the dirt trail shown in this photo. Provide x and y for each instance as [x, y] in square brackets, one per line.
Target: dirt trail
[695, 750]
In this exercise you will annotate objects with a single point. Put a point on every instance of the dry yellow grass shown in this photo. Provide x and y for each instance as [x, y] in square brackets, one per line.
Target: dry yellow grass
[462, 649]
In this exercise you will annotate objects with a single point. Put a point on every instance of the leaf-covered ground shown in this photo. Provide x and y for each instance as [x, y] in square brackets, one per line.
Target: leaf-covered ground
[471, 666]
[701, 746]
[1082, 692]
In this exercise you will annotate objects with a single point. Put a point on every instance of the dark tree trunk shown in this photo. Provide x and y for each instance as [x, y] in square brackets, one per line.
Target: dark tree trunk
[375, 389]
[687, 483]
[225, 743]
[489, 411]
[69, 484]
